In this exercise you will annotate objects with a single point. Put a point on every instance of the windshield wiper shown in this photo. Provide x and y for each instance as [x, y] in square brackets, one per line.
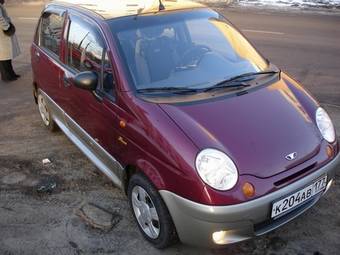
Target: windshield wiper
[235, 83]
[222, 85]
[245, 75]
[229, 83]
[176, 90]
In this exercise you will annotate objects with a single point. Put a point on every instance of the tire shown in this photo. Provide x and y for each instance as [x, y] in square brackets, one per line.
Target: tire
[147, 210]
[45, 114]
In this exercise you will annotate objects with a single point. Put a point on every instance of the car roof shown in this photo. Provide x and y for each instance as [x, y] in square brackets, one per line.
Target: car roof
[121, 8]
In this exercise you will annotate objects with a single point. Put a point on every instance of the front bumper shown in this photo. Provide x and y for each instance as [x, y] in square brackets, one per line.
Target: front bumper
[195, 223]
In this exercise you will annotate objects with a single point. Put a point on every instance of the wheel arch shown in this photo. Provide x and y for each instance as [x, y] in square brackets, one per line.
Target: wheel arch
[35, 92]
[147, 169]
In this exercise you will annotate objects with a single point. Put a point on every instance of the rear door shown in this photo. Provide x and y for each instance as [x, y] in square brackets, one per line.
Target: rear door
[46, 52]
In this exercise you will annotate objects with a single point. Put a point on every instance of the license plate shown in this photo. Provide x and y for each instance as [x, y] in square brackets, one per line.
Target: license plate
[288, 203]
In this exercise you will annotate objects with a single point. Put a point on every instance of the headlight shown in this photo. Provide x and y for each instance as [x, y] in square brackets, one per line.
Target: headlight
[216, 169]
[325, 125]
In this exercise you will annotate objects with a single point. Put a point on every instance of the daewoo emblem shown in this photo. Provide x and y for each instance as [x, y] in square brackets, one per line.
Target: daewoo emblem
[291, 156]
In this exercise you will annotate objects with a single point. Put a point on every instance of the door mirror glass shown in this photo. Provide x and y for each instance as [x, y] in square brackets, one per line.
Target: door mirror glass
[86, 81]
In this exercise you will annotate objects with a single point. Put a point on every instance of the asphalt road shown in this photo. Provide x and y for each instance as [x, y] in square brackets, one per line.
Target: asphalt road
[306, 45]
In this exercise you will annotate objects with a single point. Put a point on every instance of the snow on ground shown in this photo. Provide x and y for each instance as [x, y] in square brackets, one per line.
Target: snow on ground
[331, 4]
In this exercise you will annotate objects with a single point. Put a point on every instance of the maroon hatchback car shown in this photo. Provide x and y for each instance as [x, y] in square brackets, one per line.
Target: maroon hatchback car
[211, 142]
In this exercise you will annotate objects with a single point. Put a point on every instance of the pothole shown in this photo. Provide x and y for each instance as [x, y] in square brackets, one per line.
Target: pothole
[98, 217]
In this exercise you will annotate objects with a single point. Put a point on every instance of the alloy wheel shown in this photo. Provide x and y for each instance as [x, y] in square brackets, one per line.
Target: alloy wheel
[145, 212]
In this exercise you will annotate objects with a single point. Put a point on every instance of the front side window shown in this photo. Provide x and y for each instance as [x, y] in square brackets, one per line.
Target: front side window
[85, 47]
[51, 27]
[194, 50]
[87, 52]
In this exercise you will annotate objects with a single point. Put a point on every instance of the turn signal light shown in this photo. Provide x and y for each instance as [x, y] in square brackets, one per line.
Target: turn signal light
[248, 189]
[330, 151]
[122, 124]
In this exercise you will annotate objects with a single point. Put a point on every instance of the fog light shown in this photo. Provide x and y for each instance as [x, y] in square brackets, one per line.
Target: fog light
[248, 189]
[219, 237]
[330, 151]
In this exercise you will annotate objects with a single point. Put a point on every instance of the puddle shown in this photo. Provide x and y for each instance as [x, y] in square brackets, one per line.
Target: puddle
[30, 177]
[47, 185]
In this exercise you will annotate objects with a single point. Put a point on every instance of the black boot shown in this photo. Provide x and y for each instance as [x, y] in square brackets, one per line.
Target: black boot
[7, 72]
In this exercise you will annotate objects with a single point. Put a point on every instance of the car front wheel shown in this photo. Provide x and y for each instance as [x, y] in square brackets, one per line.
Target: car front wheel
[150, 212]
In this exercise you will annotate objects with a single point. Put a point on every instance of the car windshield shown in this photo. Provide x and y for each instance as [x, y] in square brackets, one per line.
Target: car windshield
[189, 49]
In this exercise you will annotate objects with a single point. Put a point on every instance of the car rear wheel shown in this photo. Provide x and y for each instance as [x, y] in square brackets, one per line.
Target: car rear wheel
[46, 114]
[150, 212]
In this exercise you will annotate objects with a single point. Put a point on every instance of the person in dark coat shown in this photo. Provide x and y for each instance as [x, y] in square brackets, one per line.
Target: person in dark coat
[9, 46]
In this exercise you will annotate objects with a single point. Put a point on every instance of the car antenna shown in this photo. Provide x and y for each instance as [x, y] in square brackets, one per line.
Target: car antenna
[161, 6]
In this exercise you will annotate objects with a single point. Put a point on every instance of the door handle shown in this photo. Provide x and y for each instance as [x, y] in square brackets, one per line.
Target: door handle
[36, 56]
[67, 82]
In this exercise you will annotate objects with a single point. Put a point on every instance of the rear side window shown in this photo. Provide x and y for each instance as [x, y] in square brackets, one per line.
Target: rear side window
[51, 28]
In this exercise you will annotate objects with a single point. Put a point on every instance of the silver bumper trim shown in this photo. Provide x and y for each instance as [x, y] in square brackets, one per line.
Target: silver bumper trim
[196, 222]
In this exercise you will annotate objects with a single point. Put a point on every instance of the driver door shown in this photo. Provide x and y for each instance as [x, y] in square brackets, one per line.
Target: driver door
[90, 115]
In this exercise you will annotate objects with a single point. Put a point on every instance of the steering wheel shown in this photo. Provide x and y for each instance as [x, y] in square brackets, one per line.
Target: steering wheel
[193, 56]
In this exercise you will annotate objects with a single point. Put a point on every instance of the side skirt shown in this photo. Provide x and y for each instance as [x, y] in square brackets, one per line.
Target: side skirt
[95, 153]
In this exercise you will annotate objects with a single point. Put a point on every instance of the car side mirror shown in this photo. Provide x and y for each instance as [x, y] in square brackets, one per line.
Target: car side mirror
[86, 81]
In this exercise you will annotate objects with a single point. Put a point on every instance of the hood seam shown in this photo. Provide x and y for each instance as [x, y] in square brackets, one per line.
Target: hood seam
[192, 141]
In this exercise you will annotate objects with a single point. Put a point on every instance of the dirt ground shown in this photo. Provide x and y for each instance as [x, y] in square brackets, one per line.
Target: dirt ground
[36, 218]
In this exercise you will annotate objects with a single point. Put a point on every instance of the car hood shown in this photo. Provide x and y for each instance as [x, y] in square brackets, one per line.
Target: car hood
[257, 130]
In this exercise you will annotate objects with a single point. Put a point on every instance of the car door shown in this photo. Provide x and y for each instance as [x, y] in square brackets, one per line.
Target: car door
[90, 115]
[46, 51]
